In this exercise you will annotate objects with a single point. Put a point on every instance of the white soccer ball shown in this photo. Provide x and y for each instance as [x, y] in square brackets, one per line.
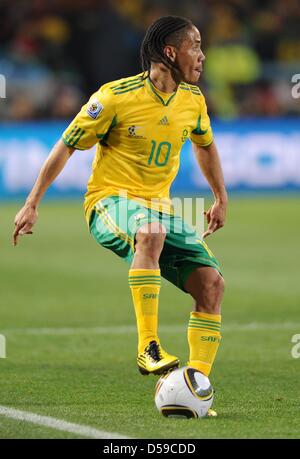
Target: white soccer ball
[185, 393]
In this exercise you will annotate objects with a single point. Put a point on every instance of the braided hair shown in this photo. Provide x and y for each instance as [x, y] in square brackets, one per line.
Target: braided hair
[167, 30]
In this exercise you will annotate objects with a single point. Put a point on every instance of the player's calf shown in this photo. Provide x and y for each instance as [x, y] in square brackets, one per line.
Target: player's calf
[144, 281]
[206, 286]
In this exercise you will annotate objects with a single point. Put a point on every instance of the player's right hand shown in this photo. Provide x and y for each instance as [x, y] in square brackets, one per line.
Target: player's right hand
[24, 221]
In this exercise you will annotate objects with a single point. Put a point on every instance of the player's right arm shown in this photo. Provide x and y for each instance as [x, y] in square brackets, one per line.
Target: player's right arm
[54, 164]
[90, 125]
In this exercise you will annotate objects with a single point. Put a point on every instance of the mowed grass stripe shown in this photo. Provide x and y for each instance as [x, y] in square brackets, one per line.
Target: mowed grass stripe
[252, 326]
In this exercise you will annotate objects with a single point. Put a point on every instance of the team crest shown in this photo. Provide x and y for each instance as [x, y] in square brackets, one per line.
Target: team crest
[94, 108]
[185, 134]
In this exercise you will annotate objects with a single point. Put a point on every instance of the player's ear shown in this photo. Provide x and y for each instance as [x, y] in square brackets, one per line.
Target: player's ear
[170, 52]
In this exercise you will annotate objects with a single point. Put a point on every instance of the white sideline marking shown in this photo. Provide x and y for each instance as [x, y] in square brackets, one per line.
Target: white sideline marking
[120, 330]
[57, 424]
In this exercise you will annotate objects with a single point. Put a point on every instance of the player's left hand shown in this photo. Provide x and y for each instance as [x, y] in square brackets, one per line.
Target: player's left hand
[215, 217]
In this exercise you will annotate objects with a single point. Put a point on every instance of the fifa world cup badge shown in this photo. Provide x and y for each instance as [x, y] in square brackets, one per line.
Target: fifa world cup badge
[94, 109]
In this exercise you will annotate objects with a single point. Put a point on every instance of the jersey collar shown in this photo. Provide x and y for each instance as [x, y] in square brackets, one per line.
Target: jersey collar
[158, 95]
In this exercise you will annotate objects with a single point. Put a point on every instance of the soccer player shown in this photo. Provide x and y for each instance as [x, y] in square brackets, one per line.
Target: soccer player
[139, 125]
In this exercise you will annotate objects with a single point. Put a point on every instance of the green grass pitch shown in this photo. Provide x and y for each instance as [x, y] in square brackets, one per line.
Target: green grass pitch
[68, 319]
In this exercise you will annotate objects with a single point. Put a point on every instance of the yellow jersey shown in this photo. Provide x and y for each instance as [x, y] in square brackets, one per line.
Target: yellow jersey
[139, 132]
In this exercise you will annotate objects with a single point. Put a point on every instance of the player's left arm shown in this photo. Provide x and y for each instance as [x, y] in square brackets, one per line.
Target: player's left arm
[210, 165]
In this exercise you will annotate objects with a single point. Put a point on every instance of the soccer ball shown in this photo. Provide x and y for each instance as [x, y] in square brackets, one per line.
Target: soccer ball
[184, 393]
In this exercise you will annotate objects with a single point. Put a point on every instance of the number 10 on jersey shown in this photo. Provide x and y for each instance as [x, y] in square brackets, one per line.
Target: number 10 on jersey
[160, 153]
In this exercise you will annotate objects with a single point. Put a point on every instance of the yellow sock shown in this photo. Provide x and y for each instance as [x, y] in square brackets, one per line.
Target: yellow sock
[145, 287]
[204, 338]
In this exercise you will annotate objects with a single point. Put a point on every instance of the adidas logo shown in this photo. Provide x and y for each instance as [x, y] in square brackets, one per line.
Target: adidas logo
[164, 121]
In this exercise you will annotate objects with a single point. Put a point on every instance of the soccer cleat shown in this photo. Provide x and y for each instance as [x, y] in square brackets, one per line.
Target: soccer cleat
[155, 360]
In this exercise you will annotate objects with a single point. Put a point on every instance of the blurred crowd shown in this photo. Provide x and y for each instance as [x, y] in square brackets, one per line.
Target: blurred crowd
[55, 53]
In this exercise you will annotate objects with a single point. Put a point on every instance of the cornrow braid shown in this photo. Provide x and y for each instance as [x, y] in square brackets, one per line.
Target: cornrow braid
[167, 30]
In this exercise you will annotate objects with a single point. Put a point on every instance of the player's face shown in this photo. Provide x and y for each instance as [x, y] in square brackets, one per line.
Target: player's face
[190, 57]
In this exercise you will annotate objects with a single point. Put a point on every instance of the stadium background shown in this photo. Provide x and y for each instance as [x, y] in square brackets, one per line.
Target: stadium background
[53, 55]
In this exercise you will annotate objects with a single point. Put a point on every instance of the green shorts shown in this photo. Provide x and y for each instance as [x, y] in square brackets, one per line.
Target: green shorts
[115, 221]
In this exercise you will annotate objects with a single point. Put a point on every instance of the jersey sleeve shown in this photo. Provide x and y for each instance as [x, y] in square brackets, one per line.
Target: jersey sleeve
[92, 122]
[202, 133]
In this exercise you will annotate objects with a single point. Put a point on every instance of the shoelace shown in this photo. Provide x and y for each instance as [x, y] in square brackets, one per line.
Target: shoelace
[154, 351]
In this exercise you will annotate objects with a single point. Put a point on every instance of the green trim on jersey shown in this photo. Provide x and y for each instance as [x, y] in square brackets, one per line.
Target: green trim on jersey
[125, 80]
[74, 136]
[193, 87]
[190, 87]
[71, 132]
[198, 130]
[129, 89]
[196, 93]
[68, 145]
[158, 96]
[126, 84]
[104, 139]
[78, 137]
[203, 145]
[193, 92]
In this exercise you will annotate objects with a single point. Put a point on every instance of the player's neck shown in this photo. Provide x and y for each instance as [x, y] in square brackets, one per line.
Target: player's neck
[162, 79]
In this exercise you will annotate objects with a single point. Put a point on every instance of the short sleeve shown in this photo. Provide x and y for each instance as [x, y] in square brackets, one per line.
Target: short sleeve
[202, 133]
[92, 122]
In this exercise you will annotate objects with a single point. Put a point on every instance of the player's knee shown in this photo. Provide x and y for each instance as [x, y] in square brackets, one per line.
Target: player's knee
[219, 284]
[150, 239]
[215, 285]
